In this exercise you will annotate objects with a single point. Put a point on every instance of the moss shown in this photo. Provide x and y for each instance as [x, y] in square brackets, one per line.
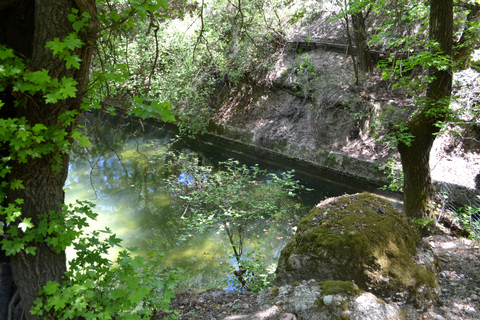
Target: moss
[331, 287]
[363, 230]
[344, 316]
[296, 283]
[274, 292]
[320, 305]
[404, 315]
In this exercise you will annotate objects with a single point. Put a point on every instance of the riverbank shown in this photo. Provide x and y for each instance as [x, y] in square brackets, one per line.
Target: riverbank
[459, 284]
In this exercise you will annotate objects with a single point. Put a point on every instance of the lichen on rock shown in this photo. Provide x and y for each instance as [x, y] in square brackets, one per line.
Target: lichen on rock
[364, 239]
[327, 300]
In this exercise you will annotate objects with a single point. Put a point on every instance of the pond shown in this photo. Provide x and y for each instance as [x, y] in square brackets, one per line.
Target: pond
[121, 173]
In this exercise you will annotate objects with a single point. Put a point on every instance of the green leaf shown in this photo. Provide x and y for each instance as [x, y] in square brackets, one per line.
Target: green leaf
[41, 79]
[72, 61]
[59, 302]
[39, 127]
[69, 87]
[56, 45]
[16, 185]
[78, 25]
[26, 224]
[31, 250]
[72, 41]
[53, 97]
[72, 17]
[81, 138]
[23, 135]
[6, 53]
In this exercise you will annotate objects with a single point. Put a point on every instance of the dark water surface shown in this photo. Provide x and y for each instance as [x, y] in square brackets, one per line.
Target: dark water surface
[120, 173]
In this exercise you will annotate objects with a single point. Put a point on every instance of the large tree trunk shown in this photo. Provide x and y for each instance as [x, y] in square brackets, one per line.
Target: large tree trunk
[363, 52]
[417, 184]
[415, 158]
[43, 190]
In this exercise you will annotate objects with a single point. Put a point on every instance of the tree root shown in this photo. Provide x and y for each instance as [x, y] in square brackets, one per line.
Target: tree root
[12, 305]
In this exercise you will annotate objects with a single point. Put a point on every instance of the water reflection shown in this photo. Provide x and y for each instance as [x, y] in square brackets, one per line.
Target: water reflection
[122, 173]
[127, 188]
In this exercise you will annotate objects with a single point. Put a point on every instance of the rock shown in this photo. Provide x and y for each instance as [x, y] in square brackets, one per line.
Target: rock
[362, 238]
[330, 300]
[327, 300]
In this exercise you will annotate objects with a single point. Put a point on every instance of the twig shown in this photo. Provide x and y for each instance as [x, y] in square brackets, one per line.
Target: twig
[155, 31]
[188, 204]
[201, 33]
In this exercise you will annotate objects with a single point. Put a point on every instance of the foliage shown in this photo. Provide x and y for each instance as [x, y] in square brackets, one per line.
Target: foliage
[230, 199]
[400, 71]
[405, 33]
[57, 230]
[404, 26]
[96, 288]
[258, 275]
[189, 59]
[24, 141]
[425, 224]
[91, 288]
[394, 175]
[469, 219]
[304, 77]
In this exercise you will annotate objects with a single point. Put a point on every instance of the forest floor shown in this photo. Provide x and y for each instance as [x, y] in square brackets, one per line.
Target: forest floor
[459, 281]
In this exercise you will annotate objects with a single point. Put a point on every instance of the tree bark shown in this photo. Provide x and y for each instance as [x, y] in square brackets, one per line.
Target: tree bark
[360, 33]
[43, 187]
[350, 49]
[418, 188]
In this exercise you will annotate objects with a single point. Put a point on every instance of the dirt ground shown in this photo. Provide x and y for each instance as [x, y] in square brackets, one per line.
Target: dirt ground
[459, 282]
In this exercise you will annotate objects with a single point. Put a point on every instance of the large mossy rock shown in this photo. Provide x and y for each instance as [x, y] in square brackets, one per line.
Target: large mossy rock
[363, 239]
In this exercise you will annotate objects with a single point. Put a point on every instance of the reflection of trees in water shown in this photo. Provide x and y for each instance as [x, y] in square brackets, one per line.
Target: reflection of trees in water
[127, 174]
[130, 181]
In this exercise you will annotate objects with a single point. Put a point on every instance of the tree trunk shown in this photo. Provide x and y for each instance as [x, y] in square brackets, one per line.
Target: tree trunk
[417, 183]
[363, 52]
[350, 49]
[418, 188]
[43, 192]
[43, 187]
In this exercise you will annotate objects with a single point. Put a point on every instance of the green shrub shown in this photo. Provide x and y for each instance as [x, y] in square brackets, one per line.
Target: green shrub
[94, 287]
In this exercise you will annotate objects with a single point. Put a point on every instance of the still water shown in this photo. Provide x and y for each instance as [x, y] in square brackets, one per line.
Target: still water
[121, 174]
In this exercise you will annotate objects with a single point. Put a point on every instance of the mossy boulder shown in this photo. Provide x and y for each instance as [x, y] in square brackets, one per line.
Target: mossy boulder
[364, 239]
